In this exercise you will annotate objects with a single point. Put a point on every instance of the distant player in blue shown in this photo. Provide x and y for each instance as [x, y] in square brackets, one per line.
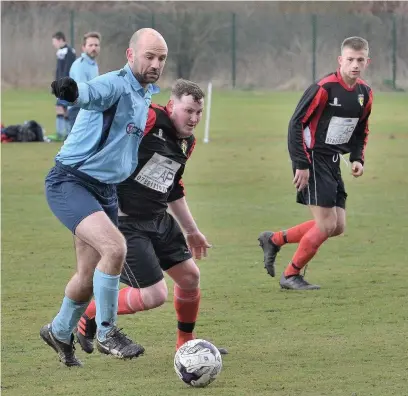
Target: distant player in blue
[100, 152]
[85, 67]
[65, 58]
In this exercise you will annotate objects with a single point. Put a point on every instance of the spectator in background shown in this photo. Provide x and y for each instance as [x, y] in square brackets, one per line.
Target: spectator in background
[85, 67]
[65, 58]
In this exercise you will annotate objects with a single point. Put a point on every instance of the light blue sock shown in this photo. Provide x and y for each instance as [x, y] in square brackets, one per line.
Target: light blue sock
[60, 126]
[66, 320]
[106, 292]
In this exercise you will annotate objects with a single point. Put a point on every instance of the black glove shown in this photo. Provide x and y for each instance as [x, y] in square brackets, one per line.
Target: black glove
[65, 89]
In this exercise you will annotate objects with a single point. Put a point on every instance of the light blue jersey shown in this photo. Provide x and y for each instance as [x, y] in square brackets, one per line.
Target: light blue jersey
[84, 69]
[104, 140]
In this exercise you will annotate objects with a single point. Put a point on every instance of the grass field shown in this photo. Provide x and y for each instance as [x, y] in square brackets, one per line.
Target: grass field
[349, 338]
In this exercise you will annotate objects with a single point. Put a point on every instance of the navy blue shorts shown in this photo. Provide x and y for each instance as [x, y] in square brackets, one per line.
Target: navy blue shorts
[73, 195]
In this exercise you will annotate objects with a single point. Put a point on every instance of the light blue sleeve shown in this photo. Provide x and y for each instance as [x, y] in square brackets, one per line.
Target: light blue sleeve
[101, 92]
[78, 72]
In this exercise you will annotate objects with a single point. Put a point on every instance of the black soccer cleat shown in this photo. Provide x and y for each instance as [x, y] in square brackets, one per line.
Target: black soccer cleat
[66, 352]
[296, 282]
[270, 251]
[118, 345]
[86, 332]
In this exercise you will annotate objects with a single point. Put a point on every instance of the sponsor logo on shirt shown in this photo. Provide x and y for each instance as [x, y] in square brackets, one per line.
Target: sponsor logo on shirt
[132, 129]
[158, 173]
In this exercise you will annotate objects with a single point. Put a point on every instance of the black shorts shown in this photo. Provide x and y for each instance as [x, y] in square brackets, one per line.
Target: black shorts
[326, 186]
[153, 246]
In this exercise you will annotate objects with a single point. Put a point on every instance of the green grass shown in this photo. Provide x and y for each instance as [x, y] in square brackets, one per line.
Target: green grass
[347, 339]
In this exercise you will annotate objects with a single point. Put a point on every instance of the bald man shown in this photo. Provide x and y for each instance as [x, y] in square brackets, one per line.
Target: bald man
[100, 152]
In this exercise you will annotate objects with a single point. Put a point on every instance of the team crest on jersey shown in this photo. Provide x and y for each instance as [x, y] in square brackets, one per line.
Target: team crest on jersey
[132, 129]
[184, 146]
[361, 99]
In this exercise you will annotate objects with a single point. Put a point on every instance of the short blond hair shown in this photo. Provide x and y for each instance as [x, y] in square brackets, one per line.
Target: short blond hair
[355, 43]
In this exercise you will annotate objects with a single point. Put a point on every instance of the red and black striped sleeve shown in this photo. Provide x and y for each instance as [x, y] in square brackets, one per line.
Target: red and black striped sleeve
[361, 132]
[311, 104]
[151, 120]
[178, 190]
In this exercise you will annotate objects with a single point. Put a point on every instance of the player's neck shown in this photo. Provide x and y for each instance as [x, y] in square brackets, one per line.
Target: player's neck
[348, 81]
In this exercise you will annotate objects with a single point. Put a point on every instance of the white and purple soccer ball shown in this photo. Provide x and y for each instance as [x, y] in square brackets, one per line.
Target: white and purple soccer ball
[198, 363]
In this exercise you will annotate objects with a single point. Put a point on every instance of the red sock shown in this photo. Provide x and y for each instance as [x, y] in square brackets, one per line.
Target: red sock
[292, 235]
[186, 304]
[91, 310]
[307, 248]
[129, 302]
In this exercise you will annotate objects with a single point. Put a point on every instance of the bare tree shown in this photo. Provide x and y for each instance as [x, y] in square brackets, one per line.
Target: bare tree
[190, 32]
[274, 40]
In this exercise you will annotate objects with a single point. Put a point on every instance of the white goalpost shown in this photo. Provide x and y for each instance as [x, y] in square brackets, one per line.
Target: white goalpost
[208, 114]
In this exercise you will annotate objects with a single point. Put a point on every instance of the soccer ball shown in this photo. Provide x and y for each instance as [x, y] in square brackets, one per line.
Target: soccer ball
[198, 363]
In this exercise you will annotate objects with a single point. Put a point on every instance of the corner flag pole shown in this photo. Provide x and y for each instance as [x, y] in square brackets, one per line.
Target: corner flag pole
[208, 114]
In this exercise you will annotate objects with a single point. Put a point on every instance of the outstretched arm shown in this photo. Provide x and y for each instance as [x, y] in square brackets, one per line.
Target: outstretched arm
[98, 94]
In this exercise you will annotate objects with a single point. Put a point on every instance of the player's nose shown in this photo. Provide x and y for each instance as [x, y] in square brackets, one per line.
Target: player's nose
[155, 64]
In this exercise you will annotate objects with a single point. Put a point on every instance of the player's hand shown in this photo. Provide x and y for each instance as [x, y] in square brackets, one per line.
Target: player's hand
[301, 179]
[65, 89]
[357, 169]
[198, 244]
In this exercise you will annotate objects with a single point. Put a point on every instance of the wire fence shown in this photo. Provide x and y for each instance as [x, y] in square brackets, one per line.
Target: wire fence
[259, 50]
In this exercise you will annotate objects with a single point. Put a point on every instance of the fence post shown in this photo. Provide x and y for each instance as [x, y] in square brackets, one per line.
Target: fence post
[233, 52]
[314, 39]
[72, 28]
[394, 51]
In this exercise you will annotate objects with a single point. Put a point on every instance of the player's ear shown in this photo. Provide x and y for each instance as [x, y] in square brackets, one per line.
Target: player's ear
[368, 61]
[170, 106]
[339, 59]
[130, 55]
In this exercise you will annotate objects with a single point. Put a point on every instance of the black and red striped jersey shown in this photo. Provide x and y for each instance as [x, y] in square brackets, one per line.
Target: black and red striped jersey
[330, 118]
[157, 179]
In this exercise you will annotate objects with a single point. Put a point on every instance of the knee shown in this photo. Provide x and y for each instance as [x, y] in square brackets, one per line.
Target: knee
[154, 296]
[190, 279]
[115, 252]
[340, 228]
[328, 225]
[85, 280]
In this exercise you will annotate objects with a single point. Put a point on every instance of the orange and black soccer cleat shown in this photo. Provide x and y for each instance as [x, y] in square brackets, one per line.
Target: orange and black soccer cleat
[86, 332]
